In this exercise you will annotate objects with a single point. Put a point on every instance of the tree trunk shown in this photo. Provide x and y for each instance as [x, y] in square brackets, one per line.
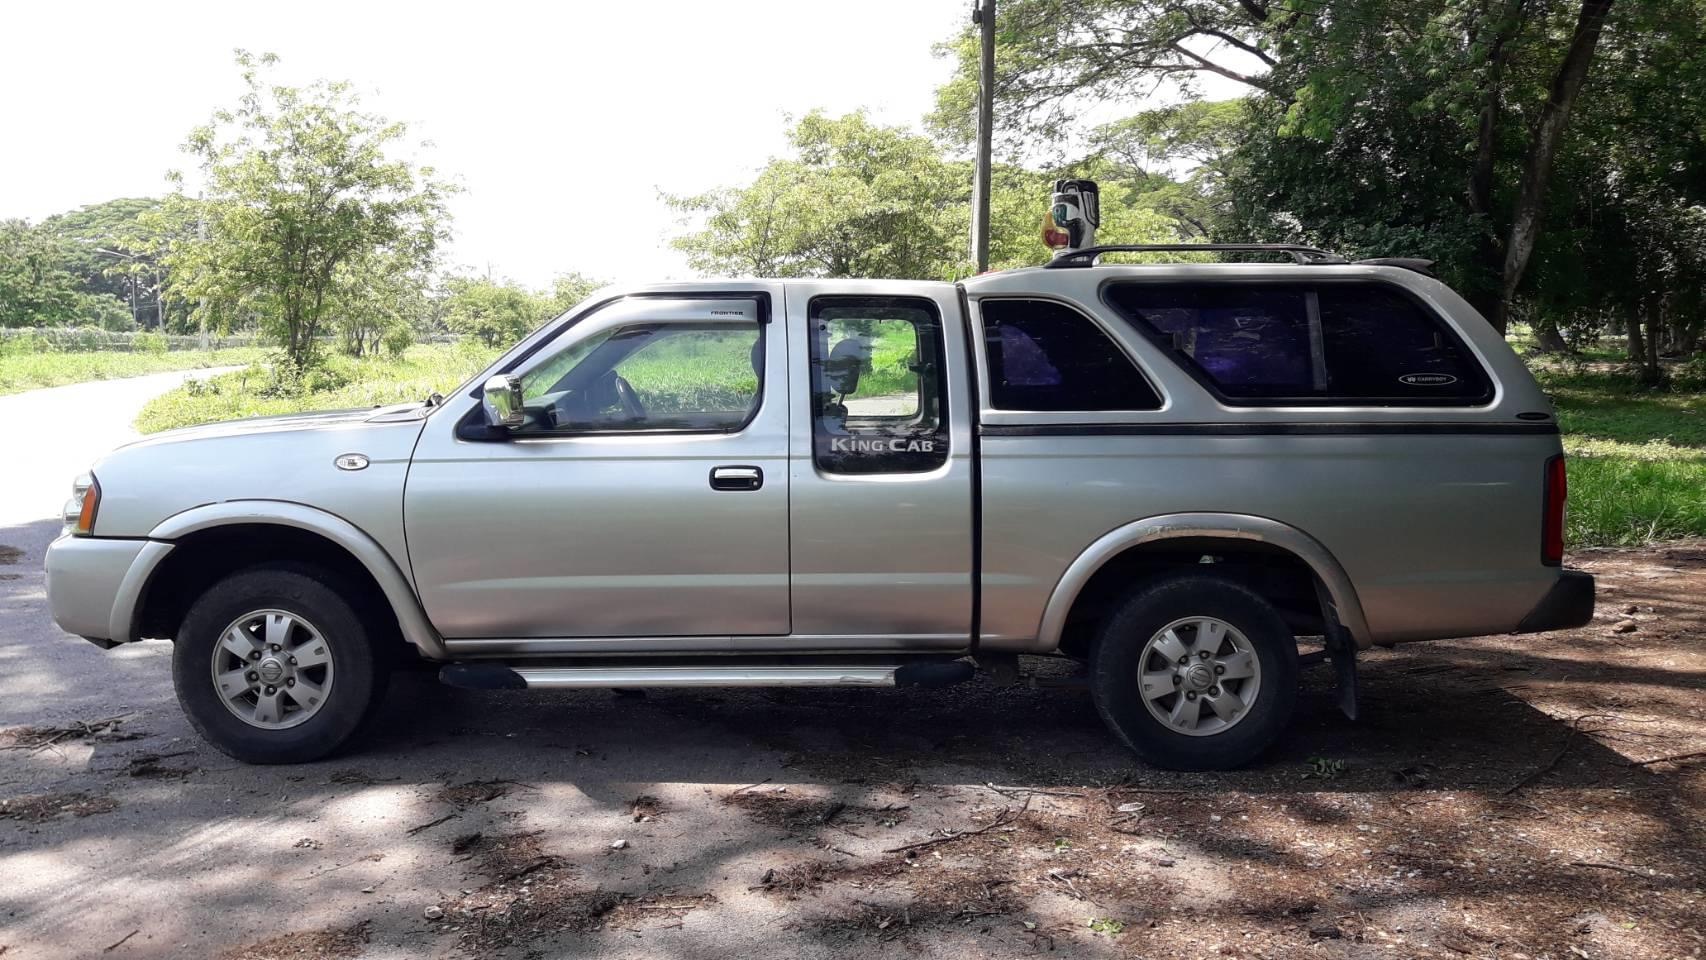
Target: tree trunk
[1651, 374]
[1481, 176]
[1547, 339]
[1548, 133]
[1637, 346]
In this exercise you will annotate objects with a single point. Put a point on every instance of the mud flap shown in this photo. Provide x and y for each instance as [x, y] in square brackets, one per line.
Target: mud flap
[1341, 650]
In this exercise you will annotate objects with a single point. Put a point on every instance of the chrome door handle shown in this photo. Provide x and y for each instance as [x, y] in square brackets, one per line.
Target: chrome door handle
[736, 478]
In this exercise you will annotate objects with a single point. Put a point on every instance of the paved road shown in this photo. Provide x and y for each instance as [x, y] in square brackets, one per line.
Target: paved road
[49, 437]
[54, 434]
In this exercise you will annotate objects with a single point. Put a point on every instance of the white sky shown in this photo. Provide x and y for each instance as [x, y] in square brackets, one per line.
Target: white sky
[556, 118]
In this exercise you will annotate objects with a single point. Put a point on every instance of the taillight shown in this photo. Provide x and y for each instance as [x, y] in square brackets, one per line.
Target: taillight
[1552, 523]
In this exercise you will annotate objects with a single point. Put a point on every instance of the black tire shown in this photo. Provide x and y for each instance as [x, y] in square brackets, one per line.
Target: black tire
[359, 672]
[1119, 648]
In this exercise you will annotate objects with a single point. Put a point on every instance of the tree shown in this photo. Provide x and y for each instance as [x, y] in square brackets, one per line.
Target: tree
[35, 288]
[1548, 133]
[856, 199]
[493, 312]
[569, 289]
[1053, 56]
[1180, 155]
[1624, 234]
[106, 249]
[1432, 123]
[38, 290]
[377, 301]
[303, 210]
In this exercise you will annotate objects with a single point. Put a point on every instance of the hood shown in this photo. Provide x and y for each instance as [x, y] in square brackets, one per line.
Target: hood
[288, 422]
[291, 458]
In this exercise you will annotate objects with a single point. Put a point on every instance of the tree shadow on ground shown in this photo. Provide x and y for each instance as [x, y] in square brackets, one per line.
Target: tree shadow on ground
[1484, 805]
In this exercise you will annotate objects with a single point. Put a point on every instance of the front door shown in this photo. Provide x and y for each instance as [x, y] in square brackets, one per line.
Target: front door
[645, 496]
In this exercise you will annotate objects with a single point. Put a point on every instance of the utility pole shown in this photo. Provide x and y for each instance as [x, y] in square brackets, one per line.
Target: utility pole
[983, 14]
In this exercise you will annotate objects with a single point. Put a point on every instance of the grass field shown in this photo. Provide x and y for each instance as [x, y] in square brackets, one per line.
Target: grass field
[1637, 459]
[31, 370]
[343, 382]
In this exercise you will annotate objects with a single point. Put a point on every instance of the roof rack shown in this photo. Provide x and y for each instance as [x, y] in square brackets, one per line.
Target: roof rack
[1088, 256]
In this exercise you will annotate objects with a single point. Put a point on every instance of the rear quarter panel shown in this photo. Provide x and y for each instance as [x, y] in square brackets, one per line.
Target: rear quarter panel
[1439, 534]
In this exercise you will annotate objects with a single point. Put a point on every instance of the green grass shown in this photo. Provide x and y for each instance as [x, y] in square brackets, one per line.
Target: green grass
[342, 382]
[1637, 458]
[32, 370]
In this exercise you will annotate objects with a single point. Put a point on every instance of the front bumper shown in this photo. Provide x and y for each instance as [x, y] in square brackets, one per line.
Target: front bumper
[1569, 603]
[94, 584]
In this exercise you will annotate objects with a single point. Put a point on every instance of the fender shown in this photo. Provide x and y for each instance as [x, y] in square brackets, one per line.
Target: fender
[1225, 526]
[410, 617]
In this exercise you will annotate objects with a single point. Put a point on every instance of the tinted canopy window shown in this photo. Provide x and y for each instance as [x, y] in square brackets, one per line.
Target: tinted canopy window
[1330, 342]
[1046, 356]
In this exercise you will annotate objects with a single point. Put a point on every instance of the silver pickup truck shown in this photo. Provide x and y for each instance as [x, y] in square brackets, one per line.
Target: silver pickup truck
[1195, 478]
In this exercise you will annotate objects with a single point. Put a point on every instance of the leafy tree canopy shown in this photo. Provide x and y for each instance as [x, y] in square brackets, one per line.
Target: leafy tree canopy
[858, 199]
[306, 216]
[500, 312]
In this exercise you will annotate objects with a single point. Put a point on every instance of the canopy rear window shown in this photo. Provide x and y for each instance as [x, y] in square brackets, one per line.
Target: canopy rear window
[1364, 344]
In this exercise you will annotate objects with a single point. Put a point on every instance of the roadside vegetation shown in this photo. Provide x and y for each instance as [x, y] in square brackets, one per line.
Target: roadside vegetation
[340, 382]
[26, 368]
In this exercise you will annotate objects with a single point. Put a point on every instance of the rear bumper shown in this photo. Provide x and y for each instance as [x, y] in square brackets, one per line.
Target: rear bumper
[1568, 604]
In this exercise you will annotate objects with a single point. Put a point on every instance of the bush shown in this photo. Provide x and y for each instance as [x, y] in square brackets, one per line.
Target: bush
[154, 344]
[398, 338]
[24, 343]
[324, 379]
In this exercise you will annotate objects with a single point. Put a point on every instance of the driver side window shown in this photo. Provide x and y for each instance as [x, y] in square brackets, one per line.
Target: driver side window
[649, 377]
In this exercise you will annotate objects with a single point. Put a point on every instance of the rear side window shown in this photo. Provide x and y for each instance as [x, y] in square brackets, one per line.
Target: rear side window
[879, 394]
[1047, 356]
[1352, 343]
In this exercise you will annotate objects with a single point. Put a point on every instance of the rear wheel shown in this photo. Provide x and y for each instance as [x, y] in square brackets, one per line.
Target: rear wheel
[1195, 673]
[273, 666]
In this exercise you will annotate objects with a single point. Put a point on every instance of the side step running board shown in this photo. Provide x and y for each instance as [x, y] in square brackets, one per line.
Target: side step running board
[495, 676]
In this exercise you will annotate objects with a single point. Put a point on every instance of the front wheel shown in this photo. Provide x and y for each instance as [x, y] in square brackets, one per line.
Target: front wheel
[272, 665]
[1195, 673]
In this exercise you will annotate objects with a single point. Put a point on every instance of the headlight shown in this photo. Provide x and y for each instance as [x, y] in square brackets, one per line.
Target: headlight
[80, 509]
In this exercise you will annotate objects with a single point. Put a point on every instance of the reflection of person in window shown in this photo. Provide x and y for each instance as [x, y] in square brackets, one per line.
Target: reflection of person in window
[841, 377]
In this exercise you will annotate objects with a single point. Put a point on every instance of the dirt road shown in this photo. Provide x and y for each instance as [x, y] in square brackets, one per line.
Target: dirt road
[1491, 804]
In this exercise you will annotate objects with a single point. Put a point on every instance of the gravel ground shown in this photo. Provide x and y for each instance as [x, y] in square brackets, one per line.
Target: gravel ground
[1502, 797]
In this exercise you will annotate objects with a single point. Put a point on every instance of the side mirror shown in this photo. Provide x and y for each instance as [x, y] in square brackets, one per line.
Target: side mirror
[501, 399]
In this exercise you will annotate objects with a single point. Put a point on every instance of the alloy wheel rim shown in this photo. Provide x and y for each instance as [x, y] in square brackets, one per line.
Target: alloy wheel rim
[272, 669]
[1199, 676]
